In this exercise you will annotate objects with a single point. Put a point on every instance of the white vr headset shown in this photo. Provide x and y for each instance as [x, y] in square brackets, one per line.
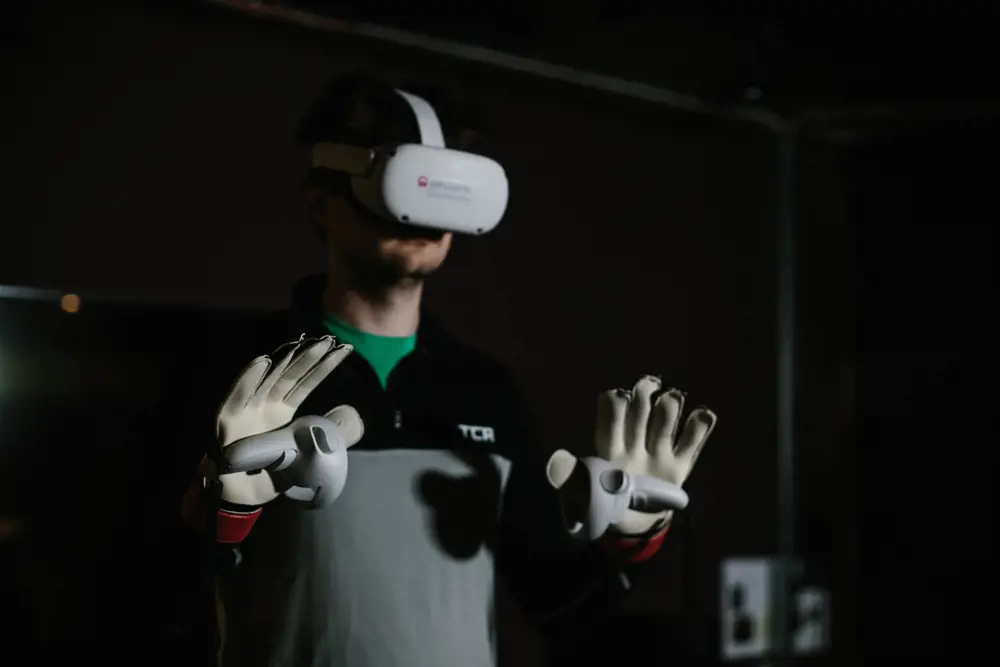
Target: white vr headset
[425, 184]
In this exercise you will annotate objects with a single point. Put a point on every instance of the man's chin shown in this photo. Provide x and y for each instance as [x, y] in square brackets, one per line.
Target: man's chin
[399, 274]
[391, 269]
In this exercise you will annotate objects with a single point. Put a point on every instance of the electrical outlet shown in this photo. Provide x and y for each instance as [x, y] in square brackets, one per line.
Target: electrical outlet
[812, 624]
[747, 609]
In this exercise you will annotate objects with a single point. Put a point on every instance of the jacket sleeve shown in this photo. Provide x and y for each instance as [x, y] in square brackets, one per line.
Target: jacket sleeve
[565, 586]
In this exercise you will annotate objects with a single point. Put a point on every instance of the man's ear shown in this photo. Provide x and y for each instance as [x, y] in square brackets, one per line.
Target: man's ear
[310, 192]
[316, 201]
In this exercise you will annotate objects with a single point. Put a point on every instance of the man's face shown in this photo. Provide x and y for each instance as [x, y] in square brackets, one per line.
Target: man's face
[389, 252]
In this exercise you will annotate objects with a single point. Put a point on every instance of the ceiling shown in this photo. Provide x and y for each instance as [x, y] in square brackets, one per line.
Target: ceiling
[855, 67]
[787, 53]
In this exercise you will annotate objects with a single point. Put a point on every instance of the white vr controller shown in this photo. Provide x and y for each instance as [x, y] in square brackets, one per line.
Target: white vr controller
[427, 184]
[613, 491]
[309, 456]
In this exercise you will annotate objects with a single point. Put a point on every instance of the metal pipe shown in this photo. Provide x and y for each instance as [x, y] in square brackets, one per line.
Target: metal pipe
[483, 56]
[824, 119]
[785, 387]
[29, 293]
[874, 113]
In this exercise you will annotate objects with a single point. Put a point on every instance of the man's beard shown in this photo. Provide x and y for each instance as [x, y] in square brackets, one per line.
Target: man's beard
[376, 276]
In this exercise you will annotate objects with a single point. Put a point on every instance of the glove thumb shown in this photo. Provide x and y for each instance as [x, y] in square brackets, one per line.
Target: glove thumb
[349, 422]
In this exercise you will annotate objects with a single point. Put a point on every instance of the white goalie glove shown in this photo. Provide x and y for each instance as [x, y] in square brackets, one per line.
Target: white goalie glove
[265, 453]
[635, 482]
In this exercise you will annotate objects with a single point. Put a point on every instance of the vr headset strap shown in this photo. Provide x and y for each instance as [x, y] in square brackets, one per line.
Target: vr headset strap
[427, 120]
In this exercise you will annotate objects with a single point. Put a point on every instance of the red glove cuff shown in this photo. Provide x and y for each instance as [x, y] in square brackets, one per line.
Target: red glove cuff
[634, 549]
[231, 525]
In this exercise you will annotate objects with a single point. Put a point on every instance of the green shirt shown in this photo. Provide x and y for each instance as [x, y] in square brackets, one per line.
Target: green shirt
[383, 353]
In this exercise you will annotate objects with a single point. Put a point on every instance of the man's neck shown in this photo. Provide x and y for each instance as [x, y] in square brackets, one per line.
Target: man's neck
[394, 312]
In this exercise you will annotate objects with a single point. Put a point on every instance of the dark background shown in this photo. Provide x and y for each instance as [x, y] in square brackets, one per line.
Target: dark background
[148, 160]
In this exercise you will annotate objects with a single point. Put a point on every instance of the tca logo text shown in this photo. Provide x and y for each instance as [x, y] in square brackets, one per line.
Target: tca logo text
[477, 433]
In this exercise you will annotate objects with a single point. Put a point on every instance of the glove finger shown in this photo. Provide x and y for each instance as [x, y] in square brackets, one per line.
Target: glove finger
[349, 422]
[666, 416]
[245, 386]
[317, 373]
[696, 432]
[284, 354]
[637, 417]
[609, 433]
[308, 354]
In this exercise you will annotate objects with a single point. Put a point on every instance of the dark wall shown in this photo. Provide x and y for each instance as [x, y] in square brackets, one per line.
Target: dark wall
[923, 212]
[151, 159]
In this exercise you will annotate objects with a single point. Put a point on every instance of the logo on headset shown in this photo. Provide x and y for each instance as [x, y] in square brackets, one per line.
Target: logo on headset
[438, 189]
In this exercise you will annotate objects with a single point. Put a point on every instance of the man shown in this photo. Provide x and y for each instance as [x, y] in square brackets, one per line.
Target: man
[445, 487]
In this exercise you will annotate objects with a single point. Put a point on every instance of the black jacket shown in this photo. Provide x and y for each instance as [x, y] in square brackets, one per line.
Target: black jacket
[444, 395]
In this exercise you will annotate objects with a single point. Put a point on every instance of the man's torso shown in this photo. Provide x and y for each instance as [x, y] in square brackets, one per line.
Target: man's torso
[400, 570]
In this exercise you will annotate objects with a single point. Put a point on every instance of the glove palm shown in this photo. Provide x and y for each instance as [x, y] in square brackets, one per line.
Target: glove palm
[637, 431]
